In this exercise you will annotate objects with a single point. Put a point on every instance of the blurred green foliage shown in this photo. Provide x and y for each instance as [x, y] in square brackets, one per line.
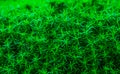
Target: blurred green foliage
[59, 36]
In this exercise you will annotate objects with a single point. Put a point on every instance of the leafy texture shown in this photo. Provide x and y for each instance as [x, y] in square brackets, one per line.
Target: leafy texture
[59, 37]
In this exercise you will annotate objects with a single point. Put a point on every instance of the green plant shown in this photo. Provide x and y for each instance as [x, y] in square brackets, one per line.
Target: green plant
[59, 37]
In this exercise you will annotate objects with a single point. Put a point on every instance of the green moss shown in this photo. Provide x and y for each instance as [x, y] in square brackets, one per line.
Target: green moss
[59, 37]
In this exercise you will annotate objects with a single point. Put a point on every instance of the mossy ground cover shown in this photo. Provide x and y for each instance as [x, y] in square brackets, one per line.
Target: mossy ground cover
[59, 37]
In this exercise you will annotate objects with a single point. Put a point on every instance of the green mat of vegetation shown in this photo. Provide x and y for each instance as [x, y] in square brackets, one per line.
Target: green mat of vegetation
[59, 36]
